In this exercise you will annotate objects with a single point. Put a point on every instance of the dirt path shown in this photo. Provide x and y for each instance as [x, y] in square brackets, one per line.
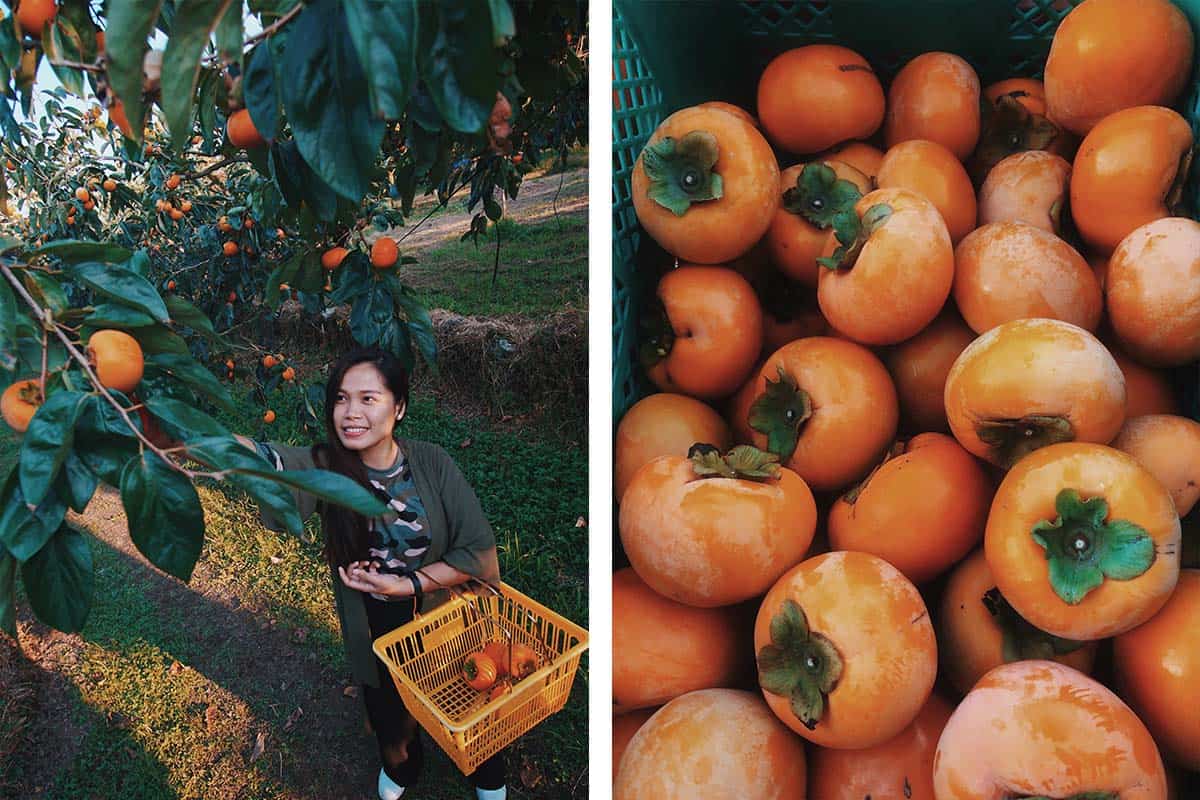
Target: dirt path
[539, 199]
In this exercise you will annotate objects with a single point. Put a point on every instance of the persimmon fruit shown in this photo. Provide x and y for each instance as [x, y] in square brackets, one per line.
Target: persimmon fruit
[845, 674]
[116, 358]
[663, 649]
[747, 753]
[1083, 541]
[20, 402]
[714, 529]
[834, 79]
[1050, 730]
[1032, 382]
[659, 425]
[706, 185]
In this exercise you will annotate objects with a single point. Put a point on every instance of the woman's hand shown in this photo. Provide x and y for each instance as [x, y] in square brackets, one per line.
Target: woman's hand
[365, 577]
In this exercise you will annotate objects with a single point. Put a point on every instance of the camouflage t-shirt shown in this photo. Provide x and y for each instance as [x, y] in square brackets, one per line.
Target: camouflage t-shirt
[399, 539]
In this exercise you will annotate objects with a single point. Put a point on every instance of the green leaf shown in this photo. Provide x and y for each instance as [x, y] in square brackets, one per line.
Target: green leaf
[122, 285]
[194, 23]
[129, 24]
[223, 453]
[1126, 552]
[72, 251]
[138, 263]
[185, 369]
[385, 37]
[258, 89]
[458, 61]
[166, 521]
[111, 315]
[24, 531]
[298, 183]
[680, 172]
[327, 101]
[229, 38]
[182, 421]
[371, 315]
[184, 313]
[420, 327]
[47, 291]
[8, 592]
[10, 46]
[77, 482]
[47, 442]
[504, 26]
[60, 48]
[8, 327]
[328, 486]
[103, 441]
[60, 580]
[160, 339]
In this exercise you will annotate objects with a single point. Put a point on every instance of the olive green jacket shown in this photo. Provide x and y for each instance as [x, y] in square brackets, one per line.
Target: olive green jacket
[459, 532]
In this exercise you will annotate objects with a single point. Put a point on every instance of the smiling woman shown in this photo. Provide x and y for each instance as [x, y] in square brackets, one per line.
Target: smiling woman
[434, 535]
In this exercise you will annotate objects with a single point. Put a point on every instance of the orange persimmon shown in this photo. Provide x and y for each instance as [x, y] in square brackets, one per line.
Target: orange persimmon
[714, 529]
[1083, 540]
[845, 674]
[663, 424]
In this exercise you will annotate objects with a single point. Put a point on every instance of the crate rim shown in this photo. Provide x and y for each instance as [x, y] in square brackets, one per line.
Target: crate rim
[575, 651]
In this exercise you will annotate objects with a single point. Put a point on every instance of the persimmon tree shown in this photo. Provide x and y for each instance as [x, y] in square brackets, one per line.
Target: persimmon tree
[225, 158]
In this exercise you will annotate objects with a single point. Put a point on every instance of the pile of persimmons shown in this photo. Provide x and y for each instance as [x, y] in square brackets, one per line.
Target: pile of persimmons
[903, 520]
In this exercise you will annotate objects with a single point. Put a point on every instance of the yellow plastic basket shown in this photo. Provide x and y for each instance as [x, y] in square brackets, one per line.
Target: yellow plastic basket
[425, 659]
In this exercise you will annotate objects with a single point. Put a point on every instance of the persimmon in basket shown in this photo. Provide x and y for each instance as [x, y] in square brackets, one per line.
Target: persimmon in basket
[479, 671]
[521, 662]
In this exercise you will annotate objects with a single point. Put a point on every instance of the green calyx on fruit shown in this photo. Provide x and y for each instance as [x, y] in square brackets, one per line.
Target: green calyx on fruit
[1012, 439]
[1083, 549]
[780, 412]
[1174, 198]
[680, 172]
[743, 462]
[819, 195]
[470, 668]
[799, 664]
[852, 234]
[1021, 640]
[655, 334]
[1007, 128]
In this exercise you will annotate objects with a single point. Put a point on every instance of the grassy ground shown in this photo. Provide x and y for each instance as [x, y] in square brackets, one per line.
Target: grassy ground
[543, 268]
[166, 690]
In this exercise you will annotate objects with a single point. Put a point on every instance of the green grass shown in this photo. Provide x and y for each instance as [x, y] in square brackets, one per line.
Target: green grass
[543, 269]
[164, 676]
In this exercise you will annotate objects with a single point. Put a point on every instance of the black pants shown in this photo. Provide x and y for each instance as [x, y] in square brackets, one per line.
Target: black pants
[392, 722]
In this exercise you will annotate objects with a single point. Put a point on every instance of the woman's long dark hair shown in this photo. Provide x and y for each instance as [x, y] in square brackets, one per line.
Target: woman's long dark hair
[346, 530]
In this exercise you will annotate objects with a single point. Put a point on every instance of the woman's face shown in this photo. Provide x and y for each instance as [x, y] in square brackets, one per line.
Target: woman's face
[365, 411]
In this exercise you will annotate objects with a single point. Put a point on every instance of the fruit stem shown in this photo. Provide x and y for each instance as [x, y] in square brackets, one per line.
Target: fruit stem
[799, 664]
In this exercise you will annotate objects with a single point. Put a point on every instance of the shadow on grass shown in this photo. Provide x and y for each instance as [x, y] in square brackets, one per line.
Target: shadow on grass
[92, 756]
[205, 681]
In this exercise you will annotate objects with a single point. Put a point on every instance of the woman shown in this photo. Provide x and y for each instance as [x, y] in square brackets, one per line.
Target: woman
[434, 535]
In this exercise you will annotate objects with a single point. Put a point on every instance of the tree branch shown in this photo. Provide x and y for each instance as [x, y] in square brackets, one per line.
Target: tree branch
[48, 324]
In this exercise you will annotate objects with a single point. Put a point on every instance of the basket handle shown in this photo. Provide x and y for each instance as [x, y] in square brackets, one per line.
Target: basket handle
[453, 589]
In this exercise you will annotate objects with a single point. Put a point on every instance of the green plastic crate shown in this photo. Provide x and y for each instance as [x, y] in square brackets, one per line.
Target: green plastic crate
[668, 56]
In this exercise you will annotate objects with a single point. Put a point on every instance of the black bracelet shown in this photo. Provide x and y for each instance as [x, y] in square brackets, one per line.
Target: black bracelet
[416, 582]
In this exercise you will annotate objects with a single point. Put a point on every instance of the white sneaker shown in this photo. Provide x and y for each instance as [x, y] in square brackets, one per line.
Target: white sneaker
[388, 788]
